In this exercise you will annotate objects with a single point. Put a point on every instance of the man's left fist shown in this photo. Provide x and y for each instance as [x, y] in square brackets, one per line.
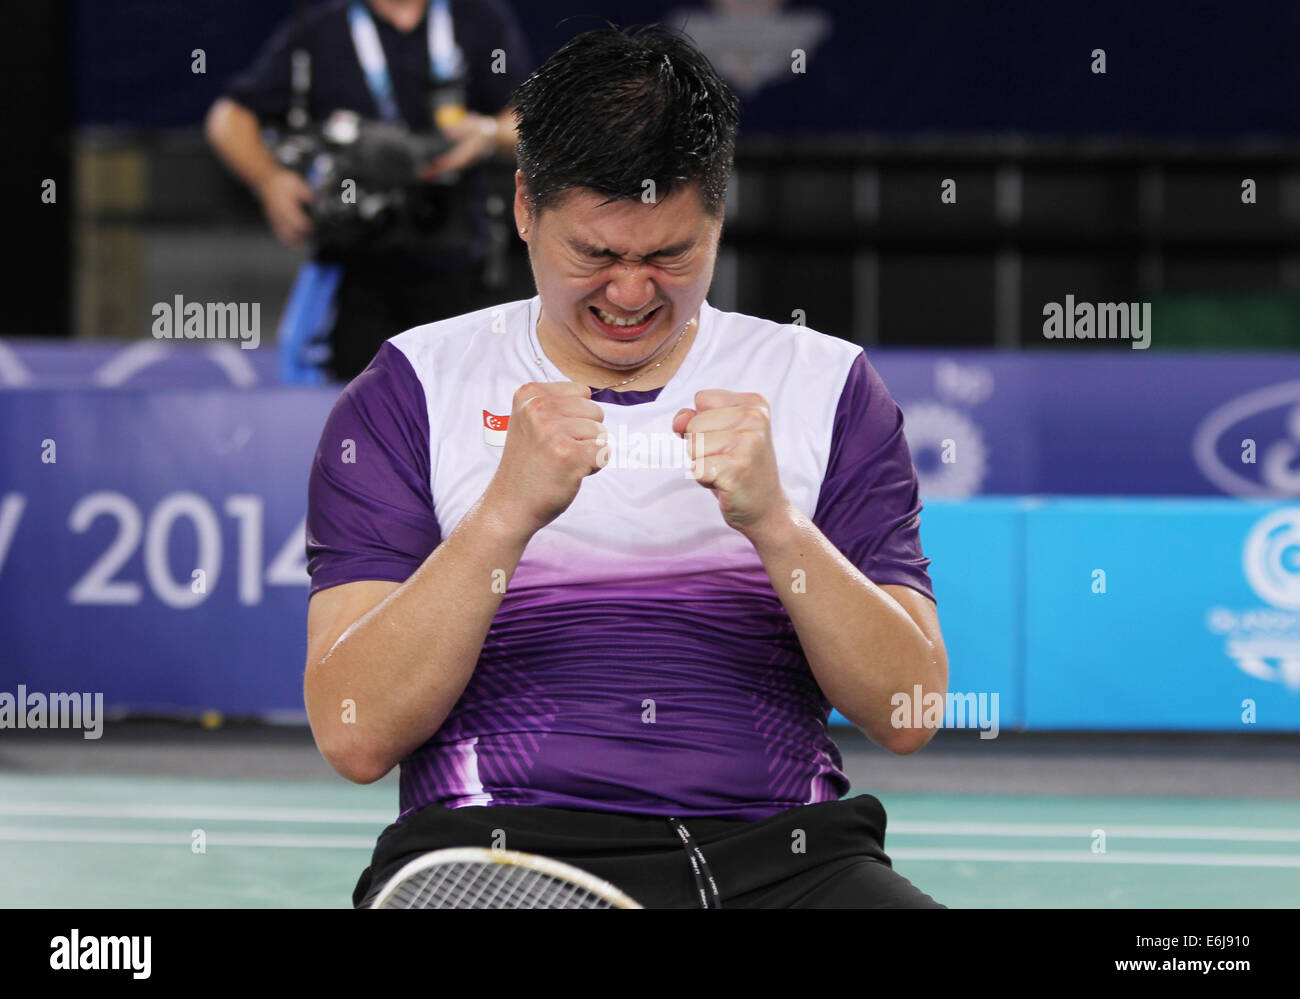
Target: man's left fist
[729, 436]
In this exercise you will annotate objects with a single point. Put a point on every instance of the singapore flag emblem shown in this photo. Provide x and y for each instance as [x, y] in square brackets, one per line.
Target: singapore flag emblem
[494, 428]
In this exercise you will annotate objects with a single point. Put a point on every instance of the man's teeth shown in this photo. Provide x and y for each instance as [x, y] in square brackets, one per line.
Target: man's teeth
[605, 317]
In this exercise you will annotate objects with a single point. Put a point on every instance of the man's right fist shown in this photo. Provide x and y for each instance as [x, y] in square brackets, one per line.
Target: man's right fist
[555, 439]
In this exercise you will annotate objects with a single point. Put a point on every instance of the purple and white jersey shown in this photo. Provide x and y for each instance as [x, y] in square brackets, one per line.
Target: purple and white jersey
[640, 660]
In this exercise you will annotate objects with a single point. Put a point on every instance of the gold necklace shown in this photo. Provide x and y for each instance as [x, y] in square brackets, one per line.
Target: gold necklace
[538, 356]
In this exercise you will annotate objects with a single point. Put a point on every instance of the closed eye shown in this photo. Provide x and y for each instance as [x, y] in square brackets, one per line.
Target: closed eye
[668, 254]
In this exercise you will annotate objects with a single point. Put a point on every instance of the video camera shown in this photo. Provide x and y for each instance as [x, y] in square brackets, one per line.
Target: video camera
[367, 195]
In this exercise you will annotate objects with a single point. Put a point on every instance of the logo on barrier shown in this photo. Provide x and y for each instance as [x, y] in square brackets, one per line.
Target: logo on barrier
[1264, 642]
[947, 445]
[1270, 417]
[1271, 558]
[947, 449]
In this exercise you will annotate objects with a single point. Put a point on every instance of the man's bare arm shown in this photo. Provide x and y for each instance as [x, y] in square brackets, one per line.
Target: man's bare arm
[403, 654]
[235, 133]
[864, 642]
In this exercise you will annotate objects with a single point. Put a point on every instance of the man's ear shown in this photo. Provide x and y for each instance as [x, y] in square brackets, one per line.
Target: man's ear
[523, 208]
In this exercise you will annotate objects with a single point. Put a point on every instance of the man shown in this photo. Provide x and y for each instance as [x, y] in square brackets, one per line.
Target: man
[572, 650]
[378, 59]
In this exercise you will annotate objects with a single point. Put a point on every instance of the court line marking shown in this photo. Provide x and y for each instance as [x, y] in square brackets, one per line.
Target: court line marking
[234, 813]
[1085, 857]
[340, 816]
[142, 838]
[19, 834]
[1049, 830]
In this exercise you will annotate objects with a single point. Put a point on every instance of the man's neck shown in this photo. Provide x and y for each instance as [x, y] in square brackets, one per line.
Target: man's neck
[401, 14]
[669, 360]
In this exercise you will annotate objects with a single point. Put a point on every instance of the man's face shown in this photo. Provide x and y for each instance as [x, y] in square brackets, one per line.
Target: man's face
[598, 265]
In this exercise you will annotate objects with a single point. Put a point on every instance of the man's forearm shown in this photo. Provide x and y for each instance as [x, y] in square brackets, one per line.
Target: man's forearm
[862, 646]
[507, 135]
[236, 135]
[405, 664]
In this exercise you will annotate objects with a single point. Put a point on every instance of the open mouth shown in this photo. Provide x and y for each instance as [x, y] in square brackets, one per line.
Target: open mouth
[623, 327]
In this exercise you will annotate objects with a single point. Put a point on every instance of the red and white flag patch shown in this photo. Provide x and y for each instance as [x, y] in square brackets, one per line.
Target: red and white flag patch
[494, 428]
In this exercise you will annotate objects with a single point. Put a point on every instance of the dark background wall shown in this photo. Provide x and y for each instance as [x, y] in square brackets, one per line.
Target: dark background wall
[1208, 69]
[1117, 187]
[36, 111]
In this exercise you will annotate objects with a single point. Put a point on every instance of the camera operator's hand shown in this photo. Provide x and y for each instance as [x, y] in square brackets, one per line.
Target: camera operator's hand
[475, 137]
[283, 195]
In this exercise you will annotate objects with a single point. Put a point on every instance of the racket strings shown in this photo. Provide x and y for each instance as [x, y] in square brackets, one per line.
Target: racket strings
[483, 885]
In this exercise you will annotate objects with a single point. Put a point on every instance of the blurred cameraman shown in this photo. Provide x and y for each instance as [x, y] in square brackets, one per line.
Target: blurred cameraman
[381, 109]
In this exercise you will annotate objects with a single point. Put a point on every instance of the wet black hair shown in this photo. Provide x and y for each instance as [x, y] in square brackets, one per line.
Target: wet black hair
[616, 107]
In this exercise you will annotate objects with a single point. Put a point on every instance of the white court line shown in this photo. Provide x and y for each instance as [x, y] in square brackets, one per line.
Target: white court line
[141, 838]
[342, 816]
[233, 813]
[1083, 856]
[1046, 830]
[19, 834]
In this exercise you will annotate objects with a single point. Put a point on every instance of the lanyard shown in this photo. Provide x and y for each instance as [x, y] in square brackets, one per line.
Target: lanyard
[445, 58]
[699, 867]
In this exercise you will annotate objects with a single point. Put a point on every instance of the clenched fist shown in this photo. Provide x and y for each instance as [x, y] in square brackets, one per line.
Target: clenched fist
[729, 436]
[556, 438]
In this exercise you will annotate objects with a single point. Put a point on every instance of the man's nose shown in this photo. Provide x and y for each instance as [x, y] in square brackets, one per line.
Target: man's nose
[630, 288]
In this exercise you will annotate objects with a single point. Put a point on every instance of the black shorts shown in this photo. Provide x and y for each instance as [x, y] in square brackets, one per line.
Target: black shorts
[824, 856]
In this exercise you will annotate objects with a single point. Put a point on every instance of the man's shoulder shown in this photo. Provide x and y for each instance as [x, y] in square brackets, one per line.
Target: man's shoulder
[318, 29]
[311, 18]
[459, 330]
[325, 11]
[448, 345]
[491, 12]
[795, 343]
